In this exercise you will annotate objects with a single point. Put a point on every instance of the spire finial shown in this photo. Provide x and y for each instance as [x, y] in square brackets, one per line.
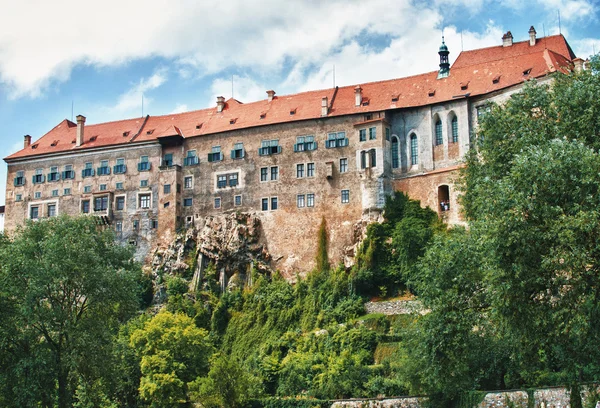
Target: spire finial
[444, 64]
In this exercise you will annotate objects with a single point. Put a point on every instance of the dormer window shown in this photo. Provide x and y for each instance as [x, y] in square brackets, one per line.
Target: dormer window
[149, 132]
[365, 101]
[293, 111]
[464, 86]
[527, 72]
[34, 146]
[431, 92]
[54, 143]
[232, 121]
[496, 79]
[125, 134]
[93, 138]
[395, 98]
[199, 126]
[263, 115]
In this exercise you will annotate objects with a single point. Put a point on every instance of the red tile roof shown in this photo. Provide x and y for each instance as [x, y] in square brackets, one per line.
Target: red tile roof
[484, 70]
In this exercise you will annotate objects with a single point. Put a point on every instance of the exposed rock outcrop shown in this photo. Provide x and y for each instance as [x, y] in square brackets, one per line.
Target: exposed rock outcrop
[231, 242]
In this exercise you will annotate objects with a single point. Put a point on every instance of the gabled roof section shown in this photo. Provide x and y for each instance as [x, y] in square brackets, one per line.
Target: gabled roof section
[98, 135]
[556, 43]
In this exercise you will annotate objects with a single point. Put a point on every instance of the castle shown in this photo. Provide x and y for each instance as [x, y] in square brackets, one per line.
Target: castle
[291, 160]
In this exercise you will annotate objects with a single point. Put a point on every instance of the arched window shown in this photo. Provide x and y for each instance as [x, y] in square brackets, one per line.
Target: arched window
[414, 150]
[439, 139]
[454, 129]
[395, 162]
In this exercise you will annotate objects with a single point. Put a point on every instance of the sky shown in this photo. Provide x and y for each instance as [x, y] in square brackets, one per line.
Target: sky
[101, 59]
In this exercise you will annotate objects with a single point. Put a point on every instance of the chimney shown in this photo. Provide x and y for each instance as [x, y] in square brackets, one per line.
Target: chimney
[578, 64]
[220, 104]
[358, 95]
[80, 126]
[271, 94]
[324, 109]
[507, 39]
[26, 141]
[532, 34]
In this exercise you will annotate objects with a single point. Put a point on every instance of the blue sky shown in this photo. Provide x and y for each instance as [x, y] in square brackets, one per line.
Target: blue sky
[103, 56]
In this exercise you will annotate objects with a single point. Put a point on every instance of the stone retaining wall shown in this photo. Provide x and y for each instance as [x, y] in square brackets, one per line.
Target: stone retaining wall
[395, 307]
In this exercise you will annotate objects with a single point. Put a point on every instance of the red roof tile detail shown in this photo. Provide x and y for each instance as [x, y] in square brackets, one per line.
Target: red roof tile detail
[485, 70]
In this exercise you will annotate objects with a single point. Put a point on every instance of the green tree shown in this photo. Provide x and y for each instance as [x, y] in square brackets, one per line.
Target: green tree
[67, 285]
[173, 352]
[227, 385]
[322, 244]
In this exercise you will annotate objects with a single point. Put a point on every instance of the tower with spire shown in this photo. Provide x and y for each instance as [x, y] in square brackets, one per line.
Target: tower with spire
[444, 64]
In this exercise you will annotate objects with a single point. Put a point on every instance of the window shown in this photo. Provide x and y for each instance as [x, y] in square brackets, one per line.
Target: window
[67, 191]
[414, 150]
[310, 200]
[217, 202]
[143, 183]
[373, 157]
[154, 224]
[88, 170]
[336, 140]
[55, 193]
[395, 158]
[237, 200]
[300, 170]
[34, 213]
[68, 173]
[120, 203]
[37, 194]
[51, 210]
[269, 147]
[439, 139]
[300, 199]
[387, 134]
[363, 159]
[238, 151]
[87, 189]
[53, 175]
[102, 187]
[119, 226]
[273, 203]
[265, 204]
[144, 164]
[305, 143]
[19, 197]
[345, 196]
[362, 135]
[101, 203]
[310, 170]
[191, 158]
[119, 185]
[167, 160]
[167, 204]
[85, 206]
[136, 225]
[20, 178]
[187, 202]
[233, 179]
[144, 201]
[274, 173]
[372, 133]
[343, 165]
[215, 154]
[264, 172]
[38, 177]
[188, 182]
[120, 167]
[167, 189]
[104, 169]
[454, 129]
[224, 180]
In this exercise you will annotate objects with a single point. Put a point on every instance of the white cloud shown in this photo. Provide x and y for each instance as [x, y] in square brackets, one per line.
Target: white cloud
[132, 99]
[570, 9]
[586, 47]
[245, 89]
[182, 107]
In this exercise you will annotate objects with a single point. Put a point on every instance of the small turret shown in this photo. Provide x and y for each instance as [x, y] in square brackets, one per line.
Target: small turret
[444, 64]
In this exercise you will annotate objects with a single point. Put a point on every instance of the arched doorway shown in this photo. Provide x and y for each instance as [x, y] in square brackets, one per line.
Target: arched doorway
[443, 198]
